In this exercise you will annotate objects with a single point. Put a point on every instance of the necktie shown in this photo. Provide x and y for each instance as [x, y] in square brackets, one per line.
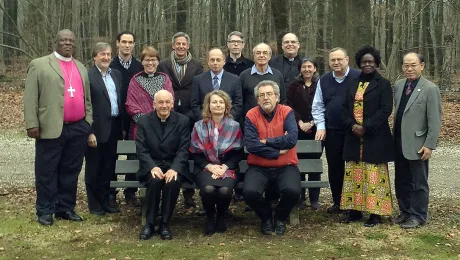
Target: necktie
[409, 88]
[215, 83]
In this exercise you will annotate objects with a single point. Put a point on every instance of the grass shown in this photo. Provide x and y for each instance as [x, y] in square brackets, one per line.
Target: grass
[319, 236]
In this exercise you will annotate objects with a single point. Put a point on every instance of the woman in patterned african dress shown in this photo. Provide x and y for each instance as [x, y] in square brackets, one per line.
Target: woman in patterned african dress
[368, 142]
[143, 87]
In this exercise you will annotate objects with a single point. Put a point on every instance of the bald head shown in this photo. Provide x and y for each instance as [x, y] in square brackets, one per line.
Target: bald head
[216, 60]
[262, 54]
[413, 65]
[65, 43]
[290, 45]
[161, 94]
[163, 103]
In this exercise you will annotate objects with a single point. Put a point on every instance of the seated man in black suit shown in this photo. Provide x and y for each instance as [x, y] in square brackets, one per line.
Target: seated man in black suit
[216, 79]
[162, 142]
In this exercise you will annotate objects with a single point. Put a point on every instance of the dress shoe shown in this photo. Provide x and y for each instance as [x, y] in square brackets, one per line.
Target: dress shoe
[267, 227]
[411, 223]
[189, 202]
[111, 210]
[68, 215]
[247, 208]
[97, 212]
[221, 226]
[334, 209]
[209, 226]
[113, 202]
[352, 216]
[314, 205]
[373, 220]
[165, 232]
[401, 218]
[46, 220]
[146, 232]
[132, 201]
[280, 227]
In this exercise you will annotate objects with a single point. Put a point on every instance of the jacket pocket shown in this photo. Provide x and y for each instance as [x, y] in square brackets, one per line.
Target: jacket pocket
[420, 133]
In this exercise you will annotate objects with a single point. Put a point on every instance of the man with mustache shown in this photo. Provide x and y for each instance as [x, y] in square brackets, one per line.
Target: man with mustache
[128, 66]
[288, 63]
[215, 79]
[181, 68]
[235, 62]
[58, 115]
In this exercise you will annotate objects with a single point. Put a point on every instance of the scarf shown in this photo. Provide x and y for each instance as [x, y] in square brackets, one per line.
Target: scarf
[182, 62]
[204, 140]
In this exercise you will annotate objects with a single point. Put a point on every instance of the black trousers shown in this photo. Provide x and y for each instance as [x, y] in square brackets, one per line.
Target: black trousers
[166, 192]
[286, 179]
[336, 165]
[411, 186]
[100, 167]
[58, 163]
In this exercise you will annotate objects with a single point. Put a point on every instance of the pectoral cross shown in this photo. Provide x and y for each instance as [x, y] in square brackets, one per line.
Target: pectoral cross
[71, 90]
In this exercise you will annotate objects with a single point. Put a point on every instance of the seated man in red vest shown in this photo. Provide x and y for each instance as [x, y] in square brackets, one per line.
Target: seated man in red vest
[270, 135]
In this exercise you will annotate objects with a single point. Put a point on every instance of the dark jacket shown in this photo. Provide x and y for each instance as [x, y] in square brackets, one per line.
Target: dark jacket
[102, 109]
[238, 66]
[166, 151]
[289, 69]
[378, 146]
[183, 88]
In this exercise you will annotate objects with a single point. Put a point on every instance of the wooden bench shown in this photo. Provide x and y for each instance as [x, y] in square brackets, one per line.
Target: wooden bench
[306, 166]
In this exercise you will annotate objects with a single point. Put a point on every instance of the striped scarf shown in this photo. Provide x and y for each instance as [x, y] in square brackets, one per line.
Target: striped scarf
[182, 62]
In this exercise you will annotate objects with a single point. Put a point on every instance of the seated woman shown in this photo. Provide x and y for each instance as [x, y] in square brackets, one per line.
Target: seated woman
[217, 148]
[368, 142]
[301, 92]
[143, 87]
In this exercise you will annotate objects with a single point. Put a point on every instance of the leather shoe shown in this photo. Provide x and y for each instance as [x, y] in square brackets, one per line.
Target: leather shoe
[146, 232]
[352, 216]
[411, 223]
[97, 212]
[45, 220]
[209, 226]
[373, 220]
[68, 215]
[401, 218]
[267, 227]
[314, 205]
[132, 201]
[113, 201]
[165, 232]
[221, 226]
[111, 210]
[280, 228]
[334, 209]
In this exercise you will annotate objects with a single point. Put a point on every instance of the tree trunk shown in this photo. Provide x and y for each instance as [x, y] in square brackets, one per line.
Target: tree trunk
[280, 14]
[181, 16]
[393, 68]
[10, 20]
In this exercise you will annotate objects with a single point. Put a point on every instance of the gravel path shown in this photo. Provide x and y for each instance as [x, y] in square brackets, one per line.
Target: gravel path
[17, 166]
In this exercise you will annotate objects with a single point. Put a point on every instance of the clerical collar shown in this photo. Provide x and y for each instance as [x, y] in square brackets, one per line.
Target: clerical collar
[59, 56]
[291, 59]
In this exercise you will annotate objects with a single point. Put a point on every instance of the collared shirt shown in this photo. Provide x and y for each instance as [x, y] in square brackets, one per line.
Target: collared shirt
[59, 56]
[111, 89]
[255, 71]
[237, 66]
[125, 64]
[318, 108]
[219, 76]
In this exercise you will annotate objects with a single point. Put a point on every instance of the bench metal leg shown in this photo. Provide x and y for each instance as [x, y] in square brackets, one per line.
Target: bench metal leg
[294, 216]
[143, 207]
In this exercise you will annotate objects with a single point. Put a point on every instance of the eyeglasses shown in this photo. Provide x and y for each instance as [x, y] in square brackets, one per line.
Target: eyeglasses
[291, 42]
[260, 53]
[235, 42]
[364, 62]
[410, 66]
[339, 60]
[150, 60]
[268, 95]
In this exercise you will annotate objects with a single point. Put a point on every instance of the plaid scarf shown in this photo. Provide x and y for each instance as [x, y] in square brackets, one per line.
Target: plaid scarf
[182, 62]
[204, 140]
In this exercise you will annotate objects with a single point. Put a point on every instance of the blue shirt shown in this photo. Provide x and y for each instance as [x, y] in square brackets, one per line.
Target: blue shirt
[273, 146]
[219, 76]
[111, 89]
[255, 71]
[317, 107]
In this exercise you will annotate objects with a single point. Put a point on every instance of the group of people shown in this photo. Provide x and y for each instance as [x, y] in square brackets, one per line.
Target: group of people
[177, 112]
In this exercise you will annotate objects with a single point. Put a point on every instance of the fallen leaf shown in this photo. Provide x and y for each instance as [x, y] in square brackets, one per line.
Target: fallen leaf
[77, 231]
[107, 241]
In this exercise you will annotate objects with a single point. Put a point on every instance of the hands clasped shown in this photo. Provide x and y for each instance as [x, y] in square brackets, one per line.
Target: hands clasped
[217, 171]
[168, 176]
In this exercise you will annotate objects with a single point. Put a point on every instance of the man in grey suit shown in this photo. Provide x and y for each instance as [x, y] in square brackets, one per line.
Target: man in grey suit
[216, 78]
[417, 125]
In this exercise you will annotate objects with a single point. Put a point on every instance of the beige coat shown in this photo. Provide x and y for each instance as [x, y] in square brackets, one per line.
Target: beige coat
[421, 121]
[44, 96]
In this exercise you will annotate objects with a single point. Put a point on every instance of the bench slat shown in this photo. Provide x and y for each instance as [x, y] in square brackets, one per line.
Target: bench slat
[126, 147]
[126, 184]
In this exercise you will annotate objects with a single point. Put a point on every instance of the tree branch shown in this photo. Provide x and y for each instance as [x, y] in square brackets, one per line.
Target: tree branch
[17, 49]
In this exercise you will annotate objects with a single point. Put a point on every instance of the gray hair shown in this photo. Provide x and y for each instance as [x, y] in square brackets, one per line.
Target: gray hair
[160, 91]
[339, 49]
[100, 46]
[262, 43]
[180, 34]
[263, 83]
[236, 33]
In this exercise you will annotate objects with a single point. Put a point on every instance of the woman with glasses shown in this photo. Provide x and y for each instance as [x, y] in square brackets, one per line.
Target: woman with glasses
[301, 92]
[143, 87]
[368, 142]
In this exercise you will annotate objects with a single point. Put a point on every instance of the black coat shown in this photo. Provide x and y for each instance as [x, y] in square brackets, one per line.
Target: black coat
[102, 109]
[167, 151]
[202, 85]
[300, 100]
[378, 143]
[183, 88]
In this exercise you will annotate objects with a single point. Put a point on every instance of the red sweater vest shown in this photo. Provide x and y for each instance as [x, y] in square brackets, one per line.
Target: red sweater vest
[266, 129]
